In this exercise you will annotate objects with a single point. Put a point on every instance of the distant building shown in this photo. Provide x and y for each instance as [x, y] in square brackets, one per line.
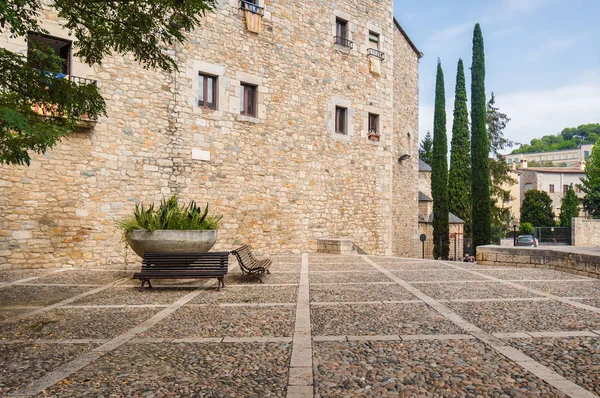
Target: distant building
[554, 181]
[426, 217]
[514, 202]
[565, 157]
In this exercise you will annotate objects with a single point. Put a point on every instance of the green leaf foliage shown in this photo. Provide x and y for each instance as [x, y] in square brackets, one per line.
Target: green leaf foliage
[569, 207]
[590, 184]
[143, 28]
[439, 172]
[426, 149]
[459, 180]
[170, 215]
[480, 148]
[569, 138]
[526, 228]
[537, 209]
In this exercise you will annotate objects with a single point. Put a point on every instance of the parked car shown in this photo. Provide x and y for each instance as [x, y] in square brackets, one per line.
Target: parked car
[526, 240]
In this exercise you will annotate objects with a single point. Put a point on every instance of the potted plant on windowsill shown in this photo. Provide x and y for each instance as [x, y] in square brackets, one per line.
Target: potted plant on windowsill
[172, 228]
[373, 135]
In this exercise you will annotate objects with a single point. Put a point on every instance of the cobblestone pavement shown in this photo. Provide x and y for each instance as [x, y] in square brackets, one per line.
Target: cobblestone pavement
[318, 326]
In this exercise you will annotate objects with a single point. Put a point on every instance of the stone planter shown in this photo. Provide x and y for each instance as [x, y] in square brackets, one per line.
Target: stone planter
[167, 241]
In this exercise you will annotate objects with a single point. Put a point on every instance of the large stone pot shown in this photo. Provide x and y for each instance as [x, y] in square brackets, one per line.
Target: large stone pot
[171, 241]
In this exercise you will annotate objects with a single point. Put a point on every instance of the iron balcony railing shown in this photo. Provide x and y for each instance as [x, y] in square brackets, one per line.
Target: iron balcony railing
[342, 41]
[247, 5]
[81, 81]
[376, 53]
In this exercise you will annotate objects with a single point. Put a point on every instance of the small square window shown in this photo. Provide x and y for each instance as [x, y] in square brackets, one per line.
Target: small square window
[341, 120]
[248, 100]
[207, 91]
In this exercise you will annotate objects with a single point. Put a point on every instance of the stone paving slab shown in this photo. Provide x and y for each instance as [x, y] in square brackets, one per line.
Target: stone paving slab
[420, 369]
[25, 362]
[190, 283]
[198, 321]
[379, 319]
[585, 288]
[441, 275]
[83, 277]
[529, 274]
[8, 276]
[236, 278]
[526, 316]
[185, 370]
[351, 266]
[342, 293]
[134, 296]
[348, 277]
[576, 358]
[452, 291]
[76, 323]
[250, 294]
[13, 313]
[406, 266]
[17, 295]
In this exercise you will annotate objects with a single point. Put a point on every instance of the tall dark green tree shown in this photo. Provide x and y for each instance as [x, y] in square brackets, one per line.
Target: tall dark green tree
[569, 207]
[480, 148]
[590, 184]
[426, 149]
[439, 171]
[537, 209]
[459, 180]
[99, 28]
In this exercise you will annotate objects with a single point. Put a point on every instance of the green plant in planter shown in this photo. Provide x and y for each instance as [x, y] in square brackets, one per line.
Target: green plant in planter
[170, 215]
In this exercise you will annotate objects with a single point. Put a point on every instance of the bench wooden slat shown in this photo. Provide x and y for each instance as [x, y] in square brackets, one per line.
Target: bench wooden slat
[184, 265]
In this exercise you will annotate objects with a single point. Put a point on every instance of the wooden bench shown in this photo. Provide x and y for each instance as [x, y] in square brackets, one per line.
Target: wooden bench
[249, 264]
[184, 266]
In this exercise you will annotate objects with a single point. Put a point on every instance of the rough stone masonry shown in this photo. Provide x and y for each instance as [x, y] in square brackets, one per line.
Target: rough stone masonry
[281, 178]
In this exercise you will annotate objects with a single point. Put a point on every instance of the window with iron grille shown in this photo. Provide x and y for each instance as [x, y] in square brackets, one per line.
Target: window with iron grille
[341, 120]
[248, 100]
[373, 123]
[207, 91]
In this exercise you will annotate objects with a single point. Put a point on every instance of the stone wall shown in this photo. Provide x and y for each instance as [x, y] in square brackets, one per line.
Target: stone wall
[456, 235]
[574, 263]
[281, 180]
[585, 232]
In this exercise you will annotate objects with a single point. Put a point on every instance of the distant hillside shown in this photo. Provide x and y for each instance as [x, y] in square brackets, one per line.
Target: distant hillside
[569, 138]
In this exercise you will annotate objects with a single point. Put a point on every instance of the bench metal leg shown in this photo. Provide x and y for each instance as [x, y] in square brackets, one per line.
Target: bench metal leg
[220, 283]
[144, 280]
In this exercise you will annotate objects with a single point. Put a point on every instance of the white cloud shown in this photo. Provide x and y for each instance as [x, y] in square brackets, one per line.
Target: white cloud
[550, 47]
[538, 113]
[523, 5]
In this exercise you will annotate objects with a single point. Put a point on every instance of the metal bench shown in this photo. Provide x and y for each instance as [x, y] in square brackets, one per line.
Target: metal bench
[249, 264]
[184, 266]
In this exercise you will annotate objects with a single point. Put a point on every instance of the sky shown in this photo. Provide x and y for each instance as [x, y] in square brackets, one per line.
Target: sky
[542, 58]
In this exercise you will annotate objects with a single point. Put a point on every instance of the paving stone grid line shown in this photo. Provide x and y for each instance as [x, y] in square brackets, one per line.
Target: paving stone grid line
[526, 362]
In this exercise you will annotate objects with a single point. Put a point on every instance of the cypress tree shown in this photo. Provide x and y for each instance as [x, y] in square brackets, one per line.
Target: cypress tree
[439, 171]
[459, 180]
[569, 207]
[480, 148]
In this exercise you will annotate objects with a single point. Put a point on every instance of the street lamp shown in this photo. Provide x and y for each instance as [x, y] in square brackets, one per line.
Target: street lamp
[514, 223]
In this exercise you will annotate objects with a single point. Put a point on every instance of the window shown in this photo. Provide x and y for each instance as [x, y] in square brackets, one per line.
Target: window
[341, 28]
[565, 188]
[61, 47]
[373, 40]
[551, 188]
[248, 100]
[586, 154]
[373, 123]
[252, 6]
[207, 91]
[341, 120]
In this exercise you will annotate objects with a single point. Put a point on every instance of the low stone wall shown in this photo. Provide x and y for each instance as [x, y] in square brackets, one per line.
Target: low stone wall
[536, 257]
[336, 246]
[585, 232]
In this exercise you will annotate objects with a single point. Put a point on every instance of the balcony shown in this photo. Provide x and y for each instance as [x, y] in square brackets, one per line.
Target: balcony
[247, 5]
[50, 110]
[375, 53]
[342, 41]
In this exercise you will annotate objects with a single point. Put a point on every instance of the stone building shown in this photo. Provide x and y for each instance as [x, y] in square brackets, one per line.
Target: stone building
[554, 181]
[563, 157]
[288, 118]
[457, 225]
